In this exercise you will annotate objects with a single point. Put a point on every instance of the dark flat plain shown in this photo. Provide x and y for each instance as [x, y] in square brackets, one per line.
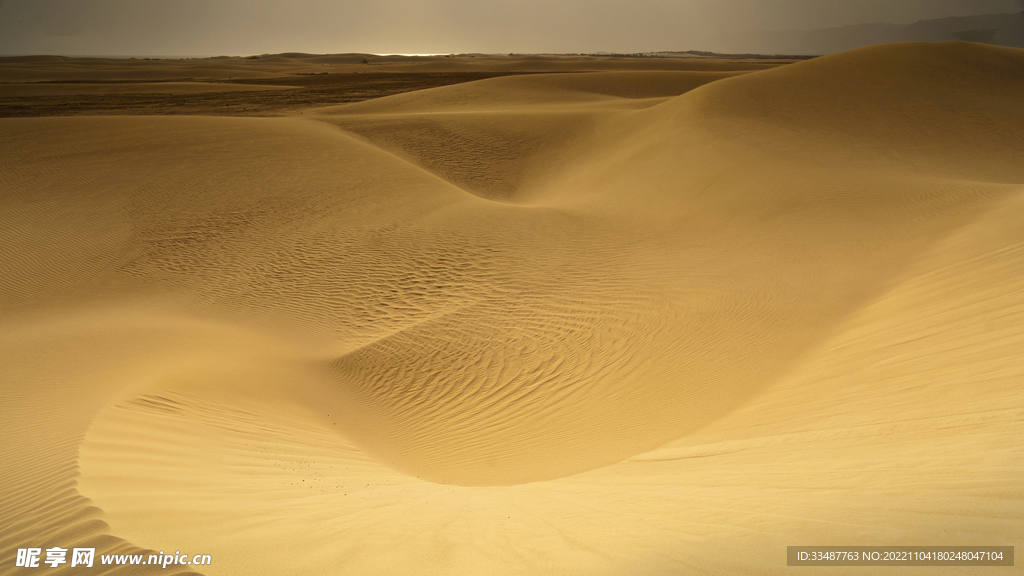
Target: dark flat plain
[302, 80]
[309, 92]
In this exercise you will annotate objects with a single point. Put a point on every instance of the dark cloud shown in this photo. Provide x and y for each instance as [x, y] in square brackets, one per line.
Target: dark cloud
[184, 27]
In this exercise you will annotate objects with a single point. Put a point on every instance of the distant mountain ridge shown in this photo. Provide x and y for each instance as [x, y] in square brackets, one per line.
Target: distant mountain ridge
[998, 29]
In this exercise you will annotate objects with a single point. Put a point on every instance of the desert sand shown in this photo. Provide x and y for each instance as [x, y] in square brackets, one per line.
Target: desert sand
[624, 321]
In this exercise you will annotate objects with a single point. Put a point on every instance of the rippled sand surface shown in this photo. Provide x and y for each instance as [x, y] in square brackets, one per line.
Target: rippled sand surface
[621, 322]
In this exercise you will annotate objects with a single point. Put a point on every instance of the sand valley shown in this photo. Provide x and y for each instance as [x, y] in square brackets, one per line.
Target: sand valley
[512, 315]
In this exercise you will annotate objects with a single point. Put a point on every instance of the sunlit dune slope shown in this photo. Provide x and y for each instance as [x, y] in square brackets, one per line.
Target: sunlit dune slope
[771, 226]
[597, 324]
[942, 110]
[494, 137]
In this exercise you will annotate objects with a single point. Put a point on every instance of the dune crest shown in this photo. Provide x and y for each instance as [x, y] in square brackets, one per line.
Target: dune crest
[619, 321]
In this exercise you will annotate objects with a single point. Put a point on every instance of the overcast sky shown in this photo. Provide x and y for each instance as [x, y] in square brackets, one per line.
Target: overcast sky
[242, 27]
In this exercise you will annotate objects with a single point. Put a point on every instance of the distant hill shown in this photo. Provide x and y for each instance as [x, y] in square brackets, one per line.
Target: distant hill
[999, 29]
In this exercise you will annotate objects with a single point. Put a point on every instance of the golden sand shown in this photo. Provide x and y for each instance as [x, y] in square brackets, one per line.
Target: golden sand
[622, 322]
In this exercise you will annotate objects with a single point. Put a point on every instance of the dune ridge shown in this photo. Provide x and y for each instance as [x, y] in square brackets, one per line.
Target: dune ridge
[615, 322]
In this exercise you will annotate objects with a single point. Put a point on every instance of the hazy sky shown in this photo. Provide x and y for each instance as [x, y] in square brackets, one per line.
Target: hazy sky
[213, 27]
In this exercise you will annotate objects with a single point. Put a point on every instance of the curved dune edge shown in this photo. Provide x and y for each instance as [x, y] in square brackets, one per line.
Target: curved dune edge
[848, 449]
[495, 137]
[920, 313]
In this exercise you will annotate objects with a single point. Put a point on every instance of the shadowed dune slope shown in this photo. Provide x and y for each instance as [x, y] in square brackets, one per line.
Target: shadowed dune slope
[947, 110]
[901, 428]
[731, 264]
[547, 324]
[912, 105]
[495, 137]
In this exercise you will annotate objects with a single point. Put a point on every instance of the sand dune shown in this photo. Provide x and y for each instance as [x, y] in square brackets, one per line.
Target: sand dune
[622, 322]
[998, 29]
[493, 137]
